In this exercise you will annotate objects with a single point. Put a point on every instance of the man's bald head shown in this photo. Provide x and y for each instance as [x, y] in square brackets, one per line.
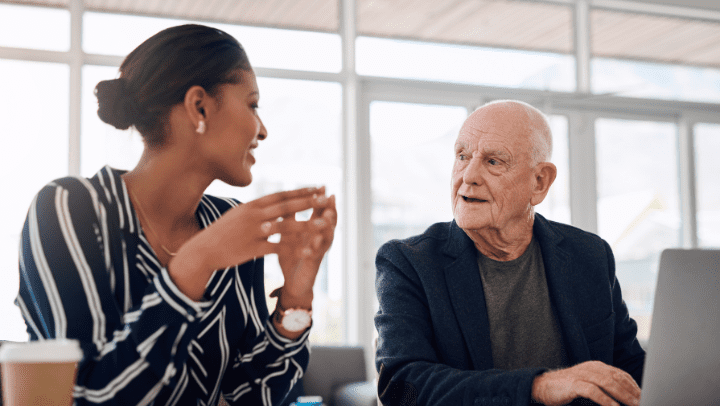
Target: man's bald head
[527, 119]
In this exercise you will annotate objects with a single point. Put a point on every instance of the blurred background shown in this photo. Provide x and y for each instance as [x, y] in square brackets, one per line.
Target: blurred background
[366, 97]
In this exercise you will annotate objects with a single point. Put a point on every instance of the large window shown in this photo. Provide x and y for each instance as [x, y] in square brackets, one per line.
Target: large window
[422, 67]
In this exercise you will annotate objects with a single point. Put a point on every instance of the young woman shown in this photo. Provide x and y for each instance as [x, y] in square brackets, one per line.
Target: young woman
[161, 284]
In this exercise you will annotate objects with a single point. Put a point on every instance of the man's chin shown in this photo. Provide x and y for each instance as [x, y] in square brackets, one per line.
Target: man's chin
[471, 224]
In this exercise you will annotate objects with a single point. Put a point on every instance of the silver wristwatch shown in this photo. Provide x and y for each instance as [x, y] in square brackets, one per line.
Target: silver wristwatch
[292, 320]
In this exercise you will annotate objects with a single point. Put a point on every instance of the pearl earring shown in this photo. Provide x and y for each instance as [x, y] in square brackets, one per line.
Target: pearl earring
[201, 127]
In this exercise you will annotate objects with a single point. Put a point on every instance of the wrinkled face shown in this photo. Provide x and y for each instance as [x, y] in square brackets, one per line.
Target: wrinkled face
[236, 131]
[492, 179]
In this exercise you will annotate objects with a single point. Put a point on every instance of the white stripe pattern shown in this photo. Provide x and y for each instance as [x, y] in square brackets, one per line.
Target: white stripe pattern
[48, 280]
[121, 216]
[83, 268]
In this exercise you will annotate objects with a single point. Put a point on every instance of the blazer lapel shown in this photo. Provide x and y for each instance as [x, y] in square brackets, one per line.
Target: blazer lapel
[468, 299]
[559, 274]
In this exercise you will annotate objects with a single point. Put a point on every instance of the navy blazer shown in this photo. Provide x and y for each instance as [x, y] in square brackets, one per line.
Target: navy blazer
[434, 339]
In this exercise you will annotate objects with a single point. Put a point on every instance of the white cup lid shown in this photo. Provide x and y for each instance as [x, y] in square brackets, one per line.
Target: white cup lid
[60, 350]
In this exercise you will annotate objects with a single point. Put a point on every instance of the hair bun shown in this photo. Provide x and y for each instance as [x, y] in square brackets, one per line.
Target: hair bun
[115, 106]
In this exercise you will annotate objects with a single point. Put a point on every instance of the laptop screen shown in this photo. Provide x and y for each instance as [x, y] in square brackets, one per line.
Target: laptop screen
[682, 366]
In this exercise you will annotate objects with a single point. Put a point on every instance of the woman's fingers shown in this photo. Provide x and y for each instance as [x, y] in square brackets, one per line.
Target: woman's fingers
[330, 213]
[284, 226]
[278, 197]
[300, 240]
[291, 206]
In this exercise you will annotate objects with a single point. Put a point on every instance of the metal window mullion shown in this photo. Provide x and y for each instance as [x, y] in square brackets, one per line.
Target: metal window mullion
[582, 176]
[686, 173]
[582, 46]
[350, 168]
[33, 55]
[359, 283]
[75, 90]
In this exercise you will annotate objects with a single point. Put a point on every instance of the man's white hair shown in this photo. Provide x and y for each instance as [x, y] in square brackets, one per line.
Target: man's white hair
[538, 127]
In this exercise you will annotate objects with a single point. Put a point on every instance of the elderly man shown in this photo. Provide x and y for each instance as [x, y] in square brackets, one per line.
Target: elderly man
[501, 306]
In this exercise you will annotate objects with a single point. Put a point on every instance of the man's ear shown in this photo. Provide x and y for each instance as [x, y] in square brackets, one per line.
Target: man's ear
[545, 173]
[196, 104]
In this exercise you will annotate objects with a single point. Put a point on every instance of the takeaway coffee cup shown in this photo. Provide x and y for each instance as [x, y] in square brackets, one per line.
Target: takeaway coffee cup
[39, 372]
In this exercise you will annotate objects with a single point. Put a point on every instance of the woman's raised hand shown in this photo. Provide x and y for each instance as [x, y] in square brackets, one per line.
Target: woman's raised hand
[302, 250]
[241, 234]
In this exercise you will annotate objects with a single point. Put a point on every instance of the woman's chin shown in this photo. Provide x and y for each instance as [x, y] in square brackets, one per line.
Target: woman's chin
[238, 179]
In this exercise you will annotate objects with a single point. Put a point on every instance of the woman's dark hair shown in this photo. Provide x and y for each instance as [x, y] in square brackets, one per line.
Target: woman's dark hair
[157, 74]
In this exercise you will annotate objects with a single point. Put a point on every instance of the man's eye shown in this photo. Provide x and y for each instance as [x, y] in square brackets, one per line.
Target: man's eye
[462, 157]
[493, 161]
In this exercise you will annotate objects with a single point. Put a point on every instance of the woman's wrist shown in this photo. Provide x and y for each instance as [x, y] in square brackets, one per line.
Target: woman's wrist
[288, 298]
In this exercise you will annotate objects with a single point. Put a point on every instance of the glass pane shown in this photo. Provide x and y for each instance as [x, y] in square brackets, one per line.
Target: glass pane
[35, 151]
[303, 148]
[556, 205]
[638, 204]
[34, 27]
[650, 80]
[108, 34]
[101, 143]
[707, 146]
[412, 158]
[465, 64]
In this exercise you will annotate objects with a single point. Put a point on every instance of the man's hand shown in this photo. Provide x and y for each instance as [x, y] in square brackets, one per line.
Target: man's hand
[594, 380]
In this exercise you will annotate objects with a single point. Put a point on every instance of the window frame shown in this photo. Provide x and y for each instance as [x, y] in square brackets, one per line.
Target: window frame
[581, 108]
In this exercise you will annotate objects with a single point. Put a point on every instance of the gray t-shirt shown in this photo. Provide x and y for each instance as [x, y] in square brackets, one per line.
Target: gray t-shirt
[524, 330]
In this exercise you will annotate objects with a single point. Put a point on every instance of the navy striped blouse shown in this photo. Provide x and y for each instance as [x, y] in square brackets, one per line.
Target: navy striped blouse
[87, 272]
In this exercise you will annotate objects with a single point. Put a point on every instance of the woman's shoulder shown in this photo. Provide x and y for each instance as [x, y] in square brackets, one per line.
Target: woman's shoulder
[65, 198]
[75, 189]
[104, 188]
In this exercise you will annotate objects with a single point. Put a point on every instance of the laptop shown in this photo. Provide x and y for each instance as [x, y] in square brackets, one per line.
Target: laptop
[682, 366]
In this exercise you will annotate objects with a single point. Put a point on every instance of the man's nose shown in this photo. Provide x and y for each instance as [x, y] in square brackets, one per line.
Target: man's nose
[473, 172]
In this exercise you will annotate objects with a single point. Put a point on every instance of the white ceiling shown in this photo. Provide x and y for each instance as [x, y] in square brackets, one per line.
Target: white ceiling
[521, 24]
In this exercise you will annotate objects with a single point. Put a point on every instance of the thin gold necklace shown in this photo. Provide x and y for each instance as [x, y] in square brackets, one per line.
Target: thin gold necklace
[149, 226]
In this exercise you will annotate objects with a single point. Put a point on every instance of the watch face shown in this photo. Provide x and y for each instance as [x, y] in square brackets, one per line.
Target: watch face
[296, 319]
